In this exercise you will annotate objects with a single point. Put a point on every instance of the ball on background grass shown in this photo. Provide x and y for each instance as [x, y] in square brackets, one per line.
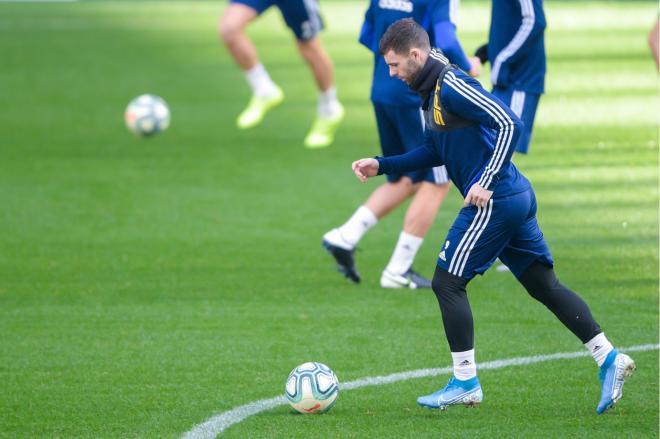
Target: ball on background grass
[312, 388]
[147, 115]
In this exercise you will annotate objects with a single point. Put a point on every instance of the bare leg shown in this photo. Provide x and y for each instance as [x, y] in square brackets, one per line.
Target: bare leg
[389, 195]
[232, 31]
[423, 208]
[265, 93]
[419, 218]
[318, 61]
[329, 112]
[654, 42]
[341, 242]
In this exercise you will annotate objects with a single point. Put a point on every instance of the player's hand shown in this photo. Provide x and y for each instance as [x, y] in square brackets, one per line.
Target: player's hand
[365, 168]
[477, 196]
[475, 66]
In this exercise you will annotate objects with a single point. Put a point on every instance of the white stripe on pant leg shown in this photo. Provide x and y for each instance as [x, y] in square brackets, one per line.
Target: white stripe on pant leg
[314, 14]
[490, 210]
[514, 103]
[469, 244]
[467, 237]
[518, 102]
[440, 175]
[462, 241]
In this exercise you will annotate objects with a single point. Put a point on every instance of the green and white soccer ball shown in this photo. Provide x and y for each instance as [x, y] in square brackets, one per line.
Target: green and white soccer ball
[312, 388]
[147, 115]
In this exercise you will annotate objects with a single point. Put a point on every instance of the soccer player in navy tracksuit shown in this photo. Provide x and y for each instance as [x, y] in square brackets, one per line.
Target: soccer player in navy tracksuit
[516, 52]
[472, 133]
[400, 128]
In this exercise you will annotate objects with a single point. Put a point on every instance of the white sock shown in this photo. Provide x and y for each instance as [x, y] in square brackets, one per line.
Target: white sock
[404, 253]
[464, 365]
[599, 346]
[260, 82]
[328, 103]
[348, 235]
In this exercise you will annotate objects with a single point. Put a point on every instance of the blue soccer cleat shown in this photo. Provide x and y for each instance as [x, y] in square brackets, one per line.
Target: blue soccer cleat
[467, 393]
[613, 373]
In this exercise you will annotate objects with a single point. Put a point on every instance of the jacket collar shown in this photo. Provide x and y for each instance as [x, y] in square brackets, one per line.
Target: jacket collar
[424, 83]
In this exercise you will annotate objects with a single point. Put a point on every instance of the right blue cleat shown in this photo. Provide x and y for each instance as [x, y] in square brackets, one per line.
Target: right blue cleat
[456, 392]
[613, 373]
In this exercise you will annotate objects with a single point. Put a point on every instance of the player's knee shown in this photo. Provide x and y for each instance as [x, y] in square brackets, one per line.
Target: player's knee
[433, 191]
[233, 21]
[437, 281]
[539, 280]
[447, 287]
[310, 49]
[228, 29]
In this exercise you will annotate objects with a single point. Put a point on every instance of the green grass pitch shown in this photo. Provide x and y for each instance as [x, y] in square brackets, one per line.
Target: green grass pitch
[147, 285]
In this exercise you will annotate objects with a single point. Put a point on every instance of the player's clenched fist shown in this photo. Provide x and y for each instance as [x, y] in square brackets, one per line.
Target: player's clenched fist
[365, 168]
[478, 196]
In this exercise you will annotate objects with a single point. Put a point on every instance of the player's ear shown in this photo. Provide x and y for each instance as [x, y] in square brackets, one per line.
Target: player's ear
[416, 54]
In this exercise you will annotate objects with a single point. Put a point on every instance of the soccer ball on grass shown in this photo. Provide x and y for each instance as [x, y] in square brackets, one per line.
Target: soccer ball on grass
[312, 388]
[147, 115]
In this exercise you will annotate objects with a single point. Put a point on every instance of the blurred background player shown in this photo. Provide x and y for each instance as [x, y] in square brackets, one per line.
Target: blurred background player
[516, 53]
[400, 129]
[304, 19]
[654, 42]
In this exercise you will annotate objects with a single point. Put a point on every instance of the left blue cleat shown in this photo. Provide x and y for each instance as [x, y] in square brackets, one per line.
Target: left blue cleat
[613, 373]
[466, 392]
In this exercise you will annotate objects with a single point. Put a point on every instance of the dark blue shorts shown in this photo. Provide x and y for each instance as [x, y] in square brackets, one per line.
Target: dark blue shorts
[401, 129]
[524, 105]
[303, 17]
[506, 228]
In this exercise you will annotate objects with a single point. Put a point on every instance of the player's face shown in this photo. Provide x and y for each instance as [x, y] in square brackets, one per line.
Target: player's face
[404, 67]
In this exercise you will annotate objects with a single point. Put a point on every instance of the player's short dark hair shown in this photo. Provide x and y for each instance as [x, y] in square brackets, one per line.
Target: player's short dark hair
[403, 35]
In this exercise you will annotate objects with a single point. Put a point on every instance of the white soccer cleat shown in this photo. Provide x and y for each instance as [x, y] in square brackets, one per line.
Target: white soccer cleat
[410, 279]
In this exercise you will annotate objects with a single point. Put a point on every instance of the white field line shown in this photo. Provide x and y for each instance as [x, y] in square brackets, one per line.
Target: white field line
[219, 423]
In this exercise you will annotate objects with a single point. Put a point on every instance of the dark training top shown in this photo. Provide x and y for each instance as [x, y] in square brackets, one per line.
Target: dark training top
[477, 153]
[516, 49]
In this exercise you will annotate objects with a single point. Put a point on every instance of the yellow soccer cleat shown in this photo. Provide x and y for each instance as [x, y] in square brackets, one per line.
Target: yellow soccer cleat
[323, 130]
[257, 108]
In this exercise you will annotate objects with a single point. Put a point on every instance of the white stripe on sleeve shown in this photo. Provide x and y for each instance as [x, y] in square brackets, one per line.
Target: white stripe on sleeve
[525, 29]
[496, 112]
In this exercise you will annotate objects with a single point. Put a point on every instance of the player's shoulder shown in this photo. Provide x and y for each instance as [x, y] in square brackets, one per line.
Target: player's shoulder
[456, 79]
